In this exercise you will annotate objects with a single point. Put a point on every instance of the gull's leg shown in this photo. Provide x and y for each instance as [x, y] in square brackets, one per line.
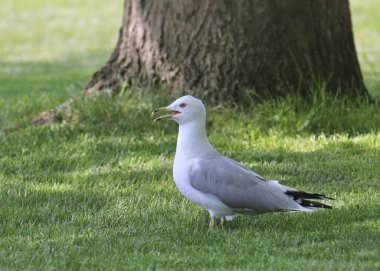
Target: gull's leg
[212, 222]
[223, 221]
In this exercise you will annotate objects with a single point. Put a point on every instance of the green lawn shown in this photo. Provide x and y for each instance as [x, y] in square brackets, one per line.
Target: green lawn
[96, 192]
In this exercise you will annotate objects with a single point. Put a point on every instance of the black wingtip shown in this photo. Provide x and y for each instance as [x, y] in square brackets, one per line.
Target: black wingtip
[304, 195]
[314, 204]
[303, 199]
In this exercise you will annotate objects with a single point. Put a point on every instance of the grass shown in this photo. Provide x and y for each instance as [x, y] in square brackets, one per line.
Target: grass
[96, 191]
[366, 22]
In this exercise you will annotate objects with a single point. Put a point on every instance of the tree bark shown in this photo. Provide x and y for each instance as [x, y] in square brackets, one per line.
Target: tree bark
[221, 48]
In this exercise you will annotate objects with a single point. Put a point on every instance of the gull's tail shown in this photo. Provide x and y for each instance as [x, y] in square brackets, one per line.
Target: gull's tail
[306, 200]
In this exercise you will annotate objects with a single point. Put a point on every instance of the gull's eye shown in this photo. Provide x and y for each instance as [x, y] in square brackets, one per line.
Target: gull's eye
[182, 105]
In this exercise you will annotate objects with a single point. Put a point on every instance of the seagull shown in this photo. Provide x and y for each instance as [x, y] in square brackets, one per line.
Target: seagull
[219, 184]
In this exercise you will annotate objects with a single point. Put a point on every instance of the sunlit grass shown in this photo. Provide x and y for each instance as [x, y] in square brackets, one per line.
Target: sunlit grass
[366, 26]
[41, 30]
[49, 50]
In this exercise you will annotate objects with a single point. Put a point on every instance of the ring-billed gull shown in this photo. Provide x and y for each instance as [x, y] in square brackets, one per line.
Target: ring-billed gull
[219, 184]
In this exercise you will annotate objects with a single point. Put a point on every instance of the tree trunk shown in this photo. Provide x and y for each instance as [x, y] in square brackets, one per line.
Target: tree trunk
[221, 48]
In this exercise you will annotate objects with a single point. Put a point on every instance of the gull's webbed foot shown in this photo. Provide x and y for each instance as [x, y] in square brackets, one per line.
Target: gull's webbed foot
[212, 222]
[223, 221]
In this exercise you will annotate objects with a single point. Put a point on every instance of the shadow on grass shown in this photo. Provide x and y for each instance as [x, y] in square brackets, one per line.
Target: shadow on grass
[29, 88]
[56, 183]
[339, 168]
[136, 211]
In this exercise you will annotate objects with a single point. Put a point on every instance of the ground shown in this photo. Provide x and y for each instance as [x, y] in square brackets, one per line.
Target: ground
[96, 191]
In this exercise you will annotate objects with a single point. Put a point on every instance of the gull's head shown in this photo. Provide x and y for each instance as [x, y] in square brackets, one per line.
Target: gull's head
[183, 110]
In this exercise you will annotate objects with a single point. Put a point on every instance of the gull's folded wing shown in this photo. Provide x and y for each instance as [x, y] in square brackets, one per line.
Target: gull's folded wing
[238, 187]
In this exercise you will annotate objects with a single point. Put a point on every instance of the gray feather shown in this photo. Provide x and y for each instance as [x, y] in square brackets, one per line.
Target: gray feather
[238, 187]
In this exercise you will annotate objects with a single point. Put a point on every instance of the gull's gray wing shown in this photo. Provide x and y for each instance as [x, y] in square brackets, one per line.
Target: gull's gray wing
[238, 187]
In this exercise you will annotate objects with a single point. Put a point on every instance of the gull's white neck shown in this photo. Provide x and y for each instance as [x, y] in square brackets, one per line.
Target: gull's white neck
[192, 141]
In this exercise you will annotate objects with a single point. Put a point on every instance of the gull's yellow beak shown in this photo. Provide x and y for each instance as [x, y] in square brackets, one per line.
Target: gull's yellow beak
[164, 109]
